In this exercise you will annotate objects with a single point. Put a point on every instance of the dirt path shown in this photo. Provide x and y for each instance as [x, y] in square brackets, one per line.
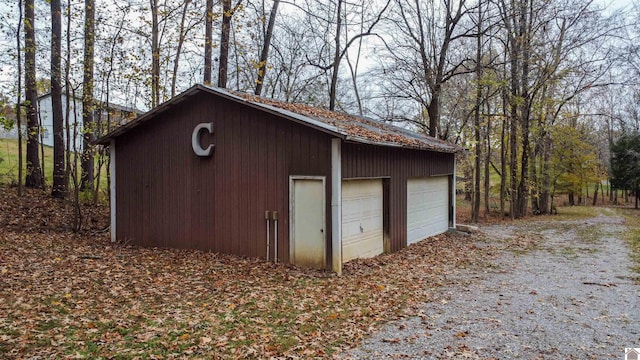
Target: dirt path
[555, 290]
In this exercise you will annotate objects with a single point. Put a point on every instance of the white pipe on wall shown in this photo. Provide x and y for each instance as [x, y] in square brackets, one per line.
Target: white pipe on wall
[275, 236]
[266, 217]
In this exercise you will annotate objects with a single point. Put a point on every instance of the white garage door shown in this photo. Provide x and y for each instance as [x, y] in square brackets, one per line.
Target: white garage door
[427, 207]
[362, 227]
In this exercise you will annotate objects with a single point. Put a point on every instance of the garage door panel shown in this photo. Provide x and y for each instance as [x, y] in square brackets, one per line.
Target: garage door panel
[427, 207]
[362, 247]
[362, 225]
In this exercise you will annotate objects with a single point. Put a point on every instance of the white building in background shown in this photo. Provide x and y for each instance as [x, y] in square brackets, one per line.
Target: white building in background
[118, 115]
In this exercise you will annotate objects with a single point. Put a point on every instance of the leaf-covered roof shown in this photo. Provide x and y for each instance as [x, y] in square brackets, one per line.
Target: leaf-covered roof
[349, 127]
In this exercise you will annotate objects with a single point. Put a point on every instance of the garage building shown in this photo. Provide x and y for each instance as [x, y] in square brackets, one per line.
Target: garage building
[232, 173]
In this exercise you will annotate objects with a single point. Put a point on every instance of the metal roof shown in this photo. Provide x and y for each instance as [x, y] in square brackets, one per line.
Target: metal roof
[112, 106]
[348, 127]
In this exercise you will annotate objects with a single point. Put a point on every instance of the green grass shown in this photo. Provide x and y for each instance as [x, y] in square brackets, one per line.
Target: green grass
[567, 213]
[590, 234]
[9, 164]
[632, 235]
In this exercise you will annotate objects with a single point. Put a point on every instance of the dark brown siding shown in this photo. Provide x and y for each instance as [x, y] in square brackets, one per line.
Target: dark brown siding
[169, 197]
[368, 161]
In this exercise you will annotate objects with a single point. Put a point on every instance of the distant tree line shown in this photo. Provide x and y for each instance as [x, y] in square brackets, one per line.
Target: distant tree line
[538, 90]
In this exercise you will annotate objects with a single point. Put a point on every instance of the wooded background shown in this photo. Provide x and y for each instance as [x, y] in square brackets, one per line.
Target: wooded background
[537, 90]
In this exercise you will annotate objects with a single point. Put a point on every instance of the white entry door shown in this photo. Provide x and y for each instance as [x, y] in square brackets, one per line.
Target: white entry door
[362, 225]
[307, 209]
[427, 207]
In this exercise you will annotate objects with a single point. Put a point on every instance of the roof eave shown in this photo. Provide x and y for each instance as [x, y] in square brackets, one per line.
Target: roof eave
[361, 140]
[297, 118]
[304, 120]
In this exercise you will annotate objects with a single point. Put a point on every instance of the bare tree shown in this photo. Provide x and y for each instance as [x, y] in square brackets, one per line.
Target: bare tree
[428, 31]
[228, 10]
[182, 34]
[19, 97]
[59, 188]
[476, 129]
[330, 18]
[546, 44]
[34, 178]
[208, 41]
[264, 54]
[155, 55]
[88, 106]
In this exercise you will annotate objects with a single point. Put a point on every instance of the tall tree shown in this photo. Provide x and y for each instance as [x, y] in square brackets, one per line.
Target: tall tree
[59, 188]
[184, 30]
[88, 106]
[155, 55]
[19, 100]
[422, 61]
[208, 42]
[264, 54]
[476, 129]
[223, 61]
[34, 172]
[329, 41]
[336, 58]
[625, 164]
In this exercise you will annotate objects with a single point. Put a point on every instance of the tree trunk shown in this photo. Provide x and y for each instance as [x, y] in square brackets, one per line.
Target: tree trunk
[434, 113]
[41, 149]
[176, 60]
[67, 114]
[34, 172]
[546, 177]
[155, 55]
[59, 188]
[595, 195]
[208, 42]
[487, 174]
[353, 68]
[503, 151]
[534, 190]
[336, 59]
[513, 181]
[525, 112]
[476, 128]
[513, 131]
[524, 168]
[19, 100]
[264, 54]
[88, 109]
[224, 44]
[77, 213]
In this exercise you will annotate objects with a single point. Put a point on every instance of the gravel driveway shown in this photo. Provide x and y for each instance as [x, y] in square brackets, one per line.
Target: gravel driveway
[552, 290]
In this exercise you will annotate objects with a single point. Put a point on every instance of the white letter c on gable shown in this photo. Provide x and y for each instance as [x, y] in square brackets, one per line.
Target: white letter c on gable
[195, 139]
